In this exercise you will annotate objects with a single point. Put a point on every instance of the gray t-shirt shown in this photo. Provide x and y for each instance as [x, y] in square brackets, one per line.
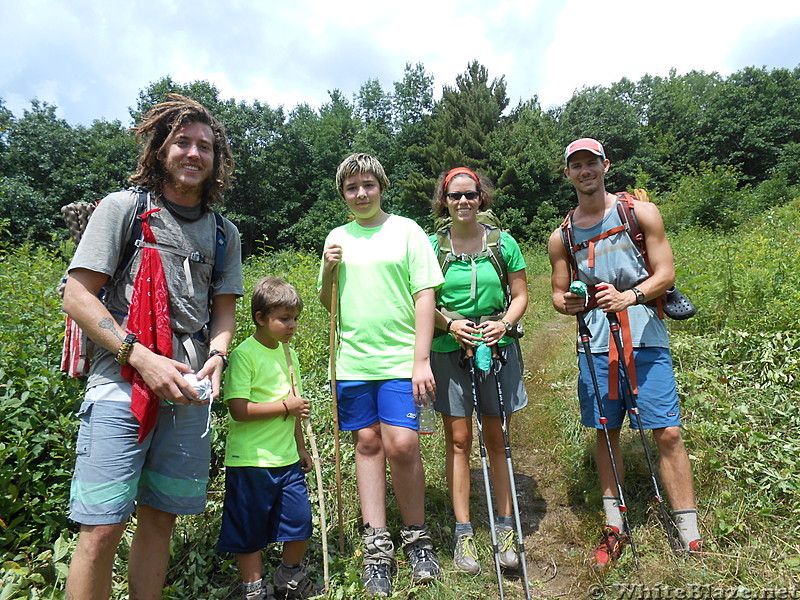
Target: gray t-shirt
[101, 249]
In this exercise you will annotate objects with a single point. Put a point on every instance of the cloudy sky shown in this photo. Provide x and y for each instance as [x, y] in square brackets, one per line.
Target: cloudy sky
[90, 58]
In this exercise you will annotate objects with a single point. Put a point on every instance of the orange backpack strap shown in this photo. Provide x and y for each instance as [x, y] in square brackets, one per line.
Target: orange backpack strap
[569, 241]
[614, 358]
[627, 215]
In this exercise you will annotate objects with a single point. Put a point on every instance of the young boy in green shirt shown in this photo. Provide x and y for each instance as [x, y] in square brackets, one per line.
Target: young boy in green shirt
[266, 499]
[386, 272]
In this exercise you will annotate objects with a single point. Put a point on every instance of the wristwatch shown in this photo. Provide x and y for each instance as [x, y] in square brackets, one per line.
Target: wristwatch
[222, 354]
[508, 325]
[640, 297]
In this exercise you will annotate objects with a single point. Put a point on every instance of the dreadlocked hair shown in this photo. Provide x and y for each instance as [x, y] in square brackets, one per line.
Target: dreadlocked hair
[157, 129]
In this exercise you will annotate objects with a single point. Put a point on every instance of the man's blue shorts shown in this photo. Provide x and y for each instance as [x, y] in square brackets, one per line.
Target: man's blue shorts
[113, 471]
[264, 505]
[657, 398]
[363, 403]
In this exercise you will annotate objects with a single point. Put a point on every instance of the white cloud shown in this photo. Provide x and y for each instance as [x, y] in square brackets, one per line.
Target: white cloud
[92, 57]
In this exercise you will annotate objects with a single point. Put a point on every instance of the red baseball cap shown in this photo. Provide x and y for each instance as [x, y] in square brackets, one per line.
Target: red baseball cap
[589, 144]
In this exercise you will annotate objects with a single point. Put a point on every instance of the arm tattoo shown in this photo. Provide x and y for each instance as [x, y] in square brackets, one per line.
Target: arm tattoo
[106, 323]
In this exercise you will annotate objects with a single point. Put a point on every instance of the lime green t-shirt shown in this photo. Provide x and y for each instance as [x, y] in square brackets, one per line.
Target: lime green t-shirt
[489, 297]
[260, 374]
[381, 270]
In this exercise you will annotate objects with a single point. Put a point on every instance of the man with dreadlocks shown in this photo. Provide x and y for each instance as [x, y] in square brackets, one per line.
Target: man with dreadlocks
[161, 335]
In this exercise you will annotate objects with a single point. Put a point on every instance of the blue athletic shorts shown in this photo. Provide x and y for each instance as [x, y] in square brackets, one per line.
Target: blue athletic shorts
[657, 398]
[263, 506]
[168, 470]
[363, 403]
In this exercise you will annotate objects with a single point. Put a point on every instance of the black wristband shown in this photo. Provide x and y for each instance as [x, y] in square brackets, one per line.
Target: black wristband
[449, 324]
[222, 354]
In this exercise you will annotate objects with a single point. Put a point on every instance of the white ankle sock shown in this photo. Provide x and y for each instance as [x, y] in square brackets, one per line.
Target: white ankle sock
[613, 514]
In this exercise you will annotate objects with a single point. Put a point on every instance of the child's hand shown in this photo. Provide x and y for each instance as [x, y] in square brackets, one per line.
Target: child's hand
[298, 407]
[332, 256]
[305, 460]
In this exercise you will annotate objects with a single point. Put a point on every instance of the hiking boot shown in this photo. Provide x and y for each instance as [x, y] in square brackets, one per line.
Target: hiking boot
[507, 546]
[418, 548]
[378, 561]
[294, 584]
[609, 549]
[258, 591]
[465, 556]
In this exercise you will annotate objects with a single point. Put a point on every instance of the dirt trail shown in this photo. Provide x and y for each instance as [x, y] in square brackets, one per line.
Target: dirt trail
[555, 548]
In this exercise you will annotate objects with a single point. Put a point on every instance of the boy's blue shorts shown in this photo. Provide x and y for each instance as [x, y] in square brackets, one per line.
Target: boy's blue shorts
[264, 505]
[363, 403]
[657, 398]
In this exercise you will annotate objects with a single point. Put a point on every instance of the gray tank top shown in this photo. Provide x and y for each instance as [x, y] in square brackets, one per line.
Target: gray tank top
[618, 261]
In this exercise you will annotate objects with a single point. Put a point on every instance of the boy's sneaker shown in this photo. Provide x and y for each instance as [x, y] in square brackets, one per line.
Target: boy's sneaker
[419, 550]
[258, 590]
[507, 546]
[378, 561]
[294, 584]
[609, 549]
[465, 556]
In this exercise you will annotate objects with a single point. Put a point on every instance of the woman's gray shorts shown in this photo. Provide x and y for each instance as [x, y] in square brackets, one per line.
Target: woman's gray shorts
[454, 390]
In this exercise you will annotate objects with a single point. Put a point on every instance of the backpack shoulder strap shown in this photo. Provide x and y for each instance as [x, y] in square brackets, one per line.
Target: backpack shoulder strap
[494, 245]
[627, 214]
[445, 254]
[142, 202]
[219, 248]
[568, 239]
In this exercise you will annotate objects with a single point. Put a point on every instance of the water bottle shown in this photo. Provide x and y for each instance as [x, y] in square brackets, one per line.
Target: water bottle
[426, 417]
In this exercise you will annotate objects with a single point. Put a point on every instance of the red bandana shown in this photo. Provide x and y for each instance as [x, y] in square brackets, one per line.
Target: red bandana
[149, 319]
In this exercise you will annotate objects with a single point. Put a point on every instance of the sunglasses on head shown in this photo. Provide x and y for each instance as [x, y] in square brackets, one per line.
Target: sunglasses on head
[455, 196]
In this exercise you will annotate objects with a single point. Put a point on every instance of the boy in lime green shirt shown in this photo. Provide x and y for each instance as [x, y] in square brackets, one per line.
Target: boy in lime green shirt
[266, 500]
[387, 273]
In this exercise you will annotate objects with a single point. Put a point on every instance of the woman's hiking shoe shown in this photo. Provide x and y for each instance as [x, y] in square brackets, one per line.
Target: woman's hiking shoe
[507, 545]
[294, 584]
[418, 548]
[378, 561]
[465, 556]
[609, 549]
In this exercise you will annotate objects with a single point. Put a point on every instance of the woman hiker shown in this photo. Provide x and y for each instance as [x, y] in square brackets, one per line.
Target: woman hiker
[474, 289]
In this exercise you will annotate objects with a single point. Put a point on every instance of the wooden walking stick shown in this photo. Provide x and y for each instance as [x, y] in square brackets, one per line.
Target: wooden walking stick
[317, 468]
[336, 448]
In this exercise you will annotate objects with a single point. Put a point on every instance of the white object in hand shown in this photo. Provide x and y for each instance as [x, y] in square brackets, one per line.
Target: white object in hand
[201, 386]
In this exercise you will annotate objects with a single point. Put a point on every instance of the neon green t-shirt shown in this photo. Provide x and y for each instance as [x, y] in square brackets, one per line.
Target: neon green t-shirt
[489, 297]
[381, 270]
[260, 374]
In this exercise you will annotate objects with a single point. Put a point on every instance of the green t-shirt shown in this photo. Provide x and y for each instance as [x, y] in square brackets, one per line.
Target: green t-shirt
[489, 297]
[381, 270]
[260, 374]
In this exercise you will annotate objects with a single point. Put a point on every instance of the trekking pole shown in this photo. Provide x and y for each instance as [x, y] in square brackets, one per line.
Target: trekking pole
[579, 288]
[336, 447]
[317, 468]
[511, 479]
[484, 465]
[613, 322]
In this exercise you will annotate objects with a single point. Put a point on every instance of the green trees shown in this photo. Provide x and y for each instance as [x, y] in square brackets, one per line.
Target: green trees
[662, 133]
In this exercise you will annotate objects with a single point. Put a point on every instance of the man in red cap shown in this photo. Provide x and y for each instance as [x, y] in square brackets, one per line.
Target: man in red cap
[161, 334]
[609, 262]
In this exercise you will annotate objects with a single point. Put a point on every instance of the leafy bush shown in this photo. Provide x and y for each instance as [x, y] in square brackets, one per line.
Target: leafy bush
[36, 406]
[748, 279]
